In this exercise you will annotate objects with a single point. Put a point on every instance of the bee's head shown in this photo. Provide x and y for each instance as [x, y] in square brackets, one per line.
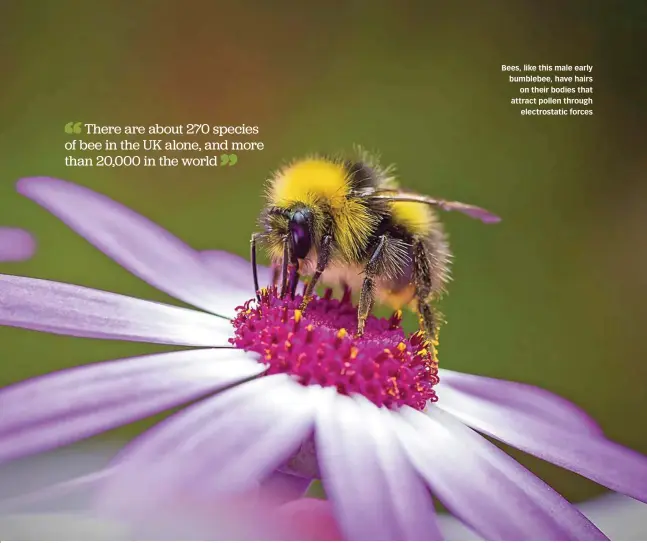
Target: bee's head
[300, 231]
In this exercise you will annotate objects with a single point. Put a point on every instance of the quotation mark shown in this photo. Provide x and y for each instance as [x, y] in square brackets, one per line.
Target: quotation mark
[228, 159]
[73, 128]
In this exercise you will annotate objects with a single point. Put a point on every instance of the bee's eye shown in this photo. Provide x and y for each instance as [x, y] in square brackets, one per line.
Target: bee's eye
[300, 232]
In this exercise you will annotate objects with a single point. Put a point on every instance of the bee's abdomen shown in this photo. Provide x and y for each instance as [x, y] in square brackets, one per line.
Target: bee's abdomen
[416, 219]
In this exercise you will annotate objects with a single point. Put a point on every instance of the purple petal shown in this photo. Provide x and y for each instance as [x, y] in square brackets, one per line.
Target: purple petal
[411, 501]
[519, 400]
[16, 244]
[484, 487]
[236, 271]
[133, 241]
[65, 309]
[309, 519]
[593, 456]
[375, 493]
[283, 487]
[67, 406]
[225, 444]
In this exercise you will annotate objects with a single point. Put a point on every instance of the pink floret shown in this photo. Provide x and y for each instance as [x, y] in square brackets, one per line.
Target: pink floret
[318, 347]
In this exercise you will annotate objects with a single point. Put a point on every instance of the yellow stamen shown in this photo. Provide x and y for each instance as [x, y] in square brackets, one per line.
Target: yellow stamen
[393, 389]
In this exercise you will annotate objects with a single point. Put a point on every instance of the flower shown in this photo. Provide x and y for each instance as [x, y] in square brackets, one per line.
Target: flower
[376, 447]
[276, 513]
[15, 244]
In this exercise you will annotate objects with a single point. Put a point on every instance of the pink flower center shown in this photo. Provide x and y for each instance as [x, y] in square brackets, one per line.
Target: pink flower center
[318, 347]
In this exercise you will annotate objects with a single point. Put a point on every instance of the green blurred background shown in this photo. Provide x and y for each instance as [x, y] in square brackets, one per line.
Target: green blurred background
[554, 295]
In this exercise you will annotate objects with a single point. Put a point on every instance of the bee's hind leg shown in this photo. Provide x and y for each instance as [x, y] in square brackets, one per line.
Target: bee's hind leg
[429, 318]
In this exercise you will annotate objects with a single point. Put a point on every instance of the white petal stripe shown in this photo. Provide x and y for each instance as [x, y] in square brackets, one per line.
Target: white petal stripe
[42, 413]
[410, 500]
[226, 443]
[61, 308]
[354, 477]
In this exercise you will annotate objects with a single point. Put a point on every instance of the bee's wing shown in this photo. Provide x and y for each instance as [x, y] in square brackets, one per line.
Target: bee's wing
[467, 209]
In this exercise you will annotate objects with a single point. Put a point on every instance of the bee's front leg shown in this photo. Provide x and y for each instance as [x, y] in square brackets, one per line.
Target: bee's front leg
[294, 279]
[284, 267]
[252, 246]
[322, 262]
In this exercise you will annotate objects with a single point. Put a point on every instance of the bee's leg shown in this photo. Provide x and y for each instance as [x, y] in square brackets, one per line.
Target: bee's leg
[367, 294]
[428, 316]
[254, 266]
[322, 263]
[284, 267]
[430, 320]
[294, 279]
[290, 271]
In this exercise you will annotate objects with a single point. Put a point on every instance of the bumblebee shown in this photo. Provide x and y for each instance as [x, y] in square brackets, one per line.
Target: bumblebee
[348, 222]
